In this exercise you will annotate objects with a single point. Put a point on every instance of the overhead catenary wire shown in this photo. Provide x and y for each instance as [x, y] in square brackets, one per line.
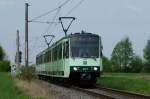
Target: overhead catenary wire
[55, 25]
[53, 10]
[35, 18]
[52, 20]
[76, 6]
[50, 25]
[47, 22]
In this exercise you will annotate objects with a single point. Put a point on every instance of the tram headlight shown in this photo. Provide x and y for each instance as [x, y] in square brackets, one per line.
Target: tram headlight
[75, 68]
[95, 68]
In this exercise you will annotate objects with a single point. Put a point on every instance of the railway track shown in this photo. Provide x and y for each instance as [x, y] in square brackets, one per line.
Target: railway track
[104, 93]
[91, 92]
[107, 93]
[118, 94]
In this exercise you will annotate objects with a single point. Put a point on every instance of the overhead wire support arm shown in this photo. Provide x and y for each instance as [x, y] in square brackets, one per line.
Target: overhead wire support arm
[66, 30]
[46, 41]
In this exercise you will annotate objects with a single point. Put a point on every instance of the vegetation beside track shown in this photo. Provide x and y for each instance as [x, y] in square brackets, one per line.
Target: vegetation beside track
[9, 90]
[132, 82]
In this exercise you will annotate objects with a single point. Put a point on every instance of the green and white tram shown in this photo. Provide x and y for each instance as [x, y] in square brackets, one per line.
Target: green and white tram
[76, 57]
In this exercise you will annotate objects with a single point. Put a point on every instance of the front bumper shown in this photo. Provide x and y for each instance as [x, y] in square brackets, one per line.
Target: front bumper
[84, 72]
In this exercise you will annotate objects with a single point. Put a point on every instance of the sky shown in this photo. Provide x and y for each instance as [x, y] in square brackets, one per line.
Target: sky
[111, 19]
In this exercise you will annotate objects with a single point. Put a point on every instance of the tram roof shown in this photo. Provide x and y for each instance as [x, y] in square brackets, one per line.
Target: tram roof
[69, 36]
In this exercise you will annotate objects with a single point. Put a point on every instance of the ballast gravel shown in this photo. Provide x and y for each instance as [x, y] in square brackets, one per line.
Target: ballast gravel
[59, 92]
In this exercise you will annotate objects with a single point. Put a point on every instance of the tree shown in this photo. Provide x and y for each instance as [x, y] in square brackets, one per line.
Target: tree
[2, 54]
[122, 55]
[136, 65]
[146, 55]
[5, 66]
[4, 63]
[147, 52]
[106, 64]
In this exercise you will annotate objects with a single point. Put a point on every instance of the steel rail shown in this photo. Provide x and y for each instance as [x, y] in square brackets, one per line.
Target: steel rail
[124, 93]
[95, 94]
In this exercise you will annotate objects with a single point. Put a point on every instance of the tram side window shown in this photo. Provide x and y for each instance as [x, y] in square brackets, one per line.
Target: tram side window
[39, 59]
[66, 50]
[49, 54]
[57, 52]
[36, 60]
[53, 54]
[44, 58]
[60, 51]
[63, 50]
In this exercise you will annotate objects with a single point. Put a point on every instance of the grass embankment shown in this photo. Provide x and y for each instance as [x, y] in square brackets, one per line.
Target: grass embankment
[139, 83]
[8, 89]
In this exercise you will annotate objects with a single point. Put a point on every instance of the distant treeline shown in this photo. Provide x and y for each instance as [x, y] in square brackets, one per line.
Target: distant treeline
[123, 58]
[4, 63]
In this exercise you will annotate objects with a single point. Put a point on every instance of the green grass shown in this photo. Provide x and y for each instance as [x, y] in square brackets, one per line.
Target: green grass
[132, 82]
[8, 90]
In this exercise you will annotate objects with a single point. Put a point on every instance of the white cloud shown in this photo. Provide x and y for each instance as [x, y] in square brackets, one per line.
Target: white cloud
[135, 9]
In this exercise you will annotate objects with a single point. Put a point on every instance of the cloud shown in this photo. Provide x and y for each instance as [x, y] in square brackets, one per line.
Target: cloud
[135, 9]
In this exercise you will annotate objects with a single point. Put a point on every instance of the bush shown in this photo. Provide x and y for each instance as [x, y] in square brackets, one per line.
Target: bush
[106, 64]
[27, 73]
[4, 66]
[146, 68]
[136, 65]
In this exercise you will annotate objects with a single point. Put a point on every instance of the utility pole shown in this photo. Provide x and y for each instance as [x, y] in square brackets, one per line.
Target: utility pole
[17, 50]
[26, 34]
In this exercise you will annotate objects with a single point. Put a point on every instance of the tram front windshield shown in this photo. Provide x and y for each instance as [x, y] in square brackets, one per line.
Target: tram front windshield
[85, 46]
